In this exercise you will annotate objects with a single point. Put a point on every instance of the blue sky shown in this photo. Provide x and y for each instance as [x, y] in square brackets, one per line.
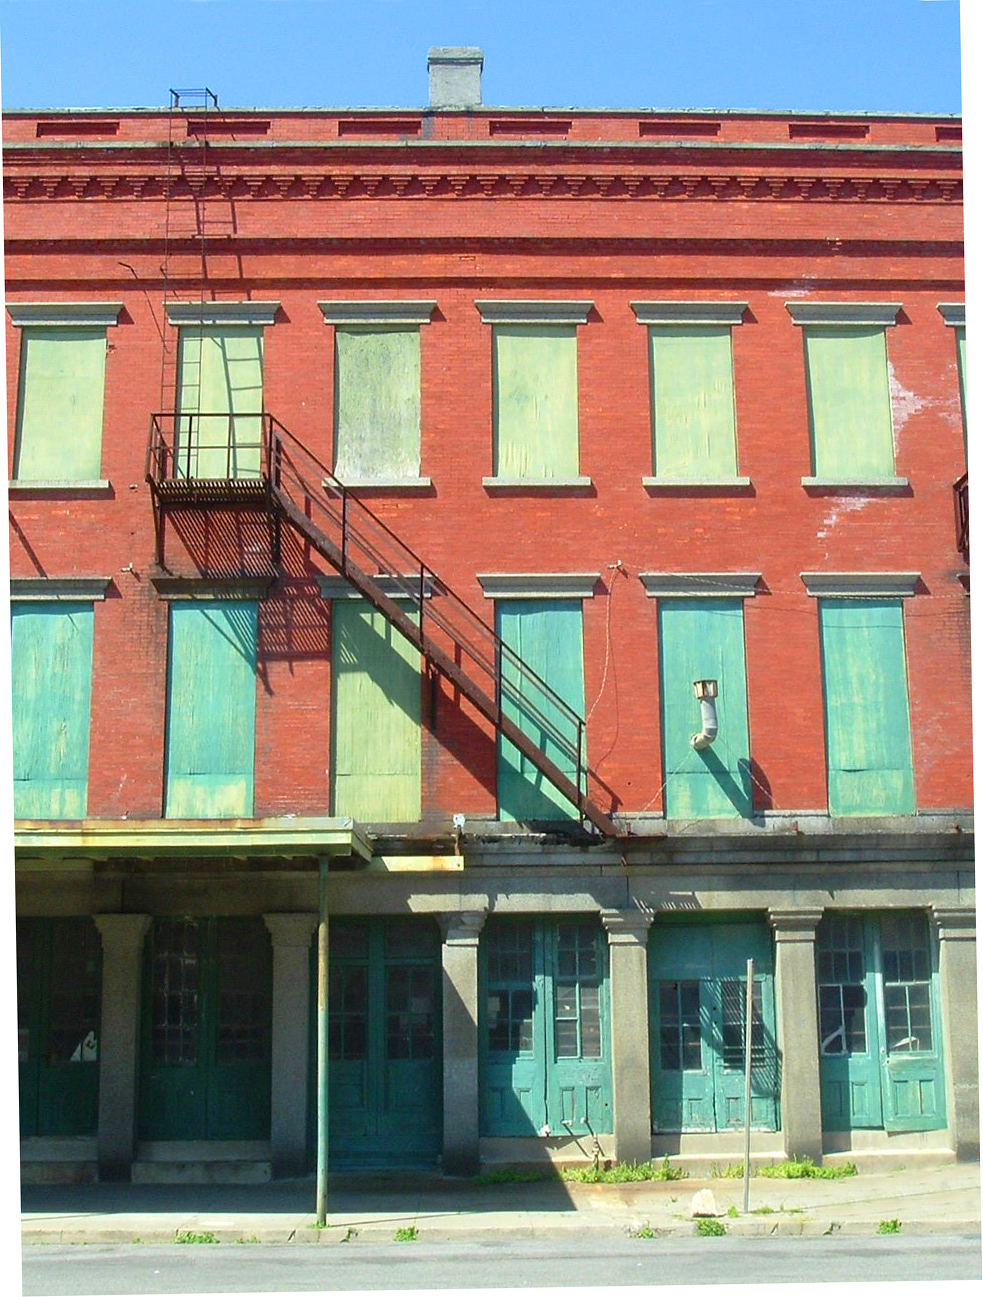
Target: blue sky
[896, 55]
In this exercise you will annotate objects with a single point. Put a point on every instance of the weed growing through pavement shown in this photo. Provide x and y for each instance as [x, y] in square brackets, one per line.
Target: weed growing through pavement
[797, 1168]
[732, 1212]
[707, 1227]
[889, 1226]
[623, 1173]
[641, 1231]
[516, 1175]
[406, 1234]
[189, 1236]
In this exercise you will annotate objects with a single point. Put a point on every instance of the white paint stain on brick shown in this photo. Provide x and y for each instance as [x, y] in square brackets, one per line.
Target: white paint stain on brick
[904, 403]
[842, 505]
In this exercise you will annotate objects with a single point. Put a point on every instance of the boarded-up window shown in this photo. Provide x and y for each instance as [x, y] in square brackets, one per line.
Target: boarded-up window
[220, 399]
[535, 401]
[849, 402]
[376, 758]
[961, 355]
[377, 402]
[693, 401]
[62, 381]
[51, 677]
[547, 634]
[868, 733]
[211, 709]
[703, 639]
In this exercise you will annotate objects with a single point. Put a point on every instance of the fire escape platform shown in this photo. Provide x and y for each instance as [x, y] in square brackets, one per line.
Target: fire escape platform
[193, 492]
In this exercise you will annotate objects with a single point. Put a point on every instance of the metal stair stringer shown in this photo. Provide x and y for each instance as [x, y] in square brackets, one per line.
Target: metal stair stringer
[437, 656]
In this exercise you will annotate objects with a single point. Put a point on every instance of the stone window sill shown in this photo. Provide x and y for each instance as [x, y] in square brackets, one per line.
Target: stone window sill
[857, 483]
[23, 486]
[695, 483]
[384, 483]
[535, 483]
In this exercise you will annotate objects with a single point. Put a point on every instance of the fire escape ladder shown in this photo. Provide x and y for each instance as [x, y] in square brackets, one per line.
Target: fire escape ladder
[453, 640]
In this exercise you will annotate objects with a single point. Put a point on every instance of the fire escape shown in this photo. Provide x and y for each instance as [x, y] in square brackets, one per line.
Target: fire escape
[254, 463]
[250, 463]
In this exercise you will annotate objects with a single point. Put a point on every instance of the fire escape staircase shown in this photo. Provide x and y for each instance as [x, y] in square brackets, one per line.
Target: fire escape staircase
[252, 461]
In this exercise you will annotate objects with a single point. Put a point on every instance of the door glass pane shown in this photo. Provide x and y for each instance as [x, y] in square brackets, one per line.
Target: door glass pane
[510, 952]
[841, 972]
[348, 940]
[576, 995]
[510, 1020]
[733, 999]
[347, 1012]
[25, 990]
[244, 992]
[907, 970]
[175, 995]
[679, 1026]
[76, 975]
[409, 1012]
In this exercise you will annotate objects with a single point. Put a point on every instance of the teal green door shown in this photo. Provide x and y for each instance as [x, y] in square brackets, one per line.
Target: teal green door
[59, 983]
[545, 1053]
[698, 978]
[384, 1048]
[205, 1049]
[880, 1053]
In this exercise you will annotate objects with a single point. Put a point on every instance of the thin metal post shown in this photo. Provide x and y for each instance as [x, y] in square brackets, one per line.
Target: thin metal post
[748, 1031]
[322, 1041]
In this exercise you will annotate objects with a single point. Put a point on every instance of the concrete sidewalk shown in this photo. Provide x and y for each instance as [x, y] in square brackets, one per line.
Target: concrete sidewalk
[940, 1199]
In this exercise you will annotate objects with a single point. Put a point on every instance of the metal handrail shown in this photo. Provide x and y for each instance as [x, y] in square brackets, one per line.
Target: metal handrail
[365, 541]
[512, 678]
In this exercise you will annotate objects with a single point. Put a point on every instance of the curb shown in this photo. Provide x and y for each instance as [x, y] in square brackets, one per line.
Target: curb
[373, 1233]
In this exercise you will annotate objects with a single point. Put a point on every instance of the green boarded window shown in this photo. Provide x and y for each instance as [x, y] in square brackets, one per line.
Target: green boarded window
[547, 634]
[62, 380]
[693, 401]
[868, 734]
[849, 402]
[377, 402]
[51, 678]
[211, 709]
[220, 399]
[961, 355]
[703, 639]
[535, 401]
[376, 759]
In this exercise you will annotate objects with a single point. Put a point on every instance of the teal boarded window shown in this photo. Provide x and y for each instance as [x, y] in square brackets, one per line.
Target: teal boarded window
[547, 634]
[703, 639]
[377, 402]
[51, 678]
[868, 733]
[849, 402]
[961, 357]
[535, 401]
[220, 399]
[693, 401]
[59, 421]
[376, 744]
[211, 709]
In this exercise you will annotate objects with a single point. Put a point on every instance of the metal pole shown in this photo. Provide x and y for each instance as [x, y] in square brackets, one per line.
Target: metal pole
[322, 1040]
[748, 1029]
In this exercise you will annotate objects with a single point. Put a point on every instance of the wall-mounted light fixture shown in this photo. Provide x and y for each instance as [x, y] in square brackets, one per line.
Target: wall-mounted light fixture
[706, 692]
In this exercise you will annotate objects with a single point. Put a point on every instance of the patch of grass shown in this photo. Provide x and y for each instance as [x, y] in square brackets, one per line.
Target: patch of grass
[707, 1227]
[251, 1239]
[732, 1212]
[623, 1172]
[189, 1236]
[889, 1226]
[516, 1175]
[762, 1211]
[804, 1168]
[406, 1234]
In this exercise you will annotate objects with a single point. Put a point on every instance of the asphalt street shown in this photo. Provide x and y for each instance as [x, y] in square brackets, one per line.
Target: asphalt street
[106, 1269]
